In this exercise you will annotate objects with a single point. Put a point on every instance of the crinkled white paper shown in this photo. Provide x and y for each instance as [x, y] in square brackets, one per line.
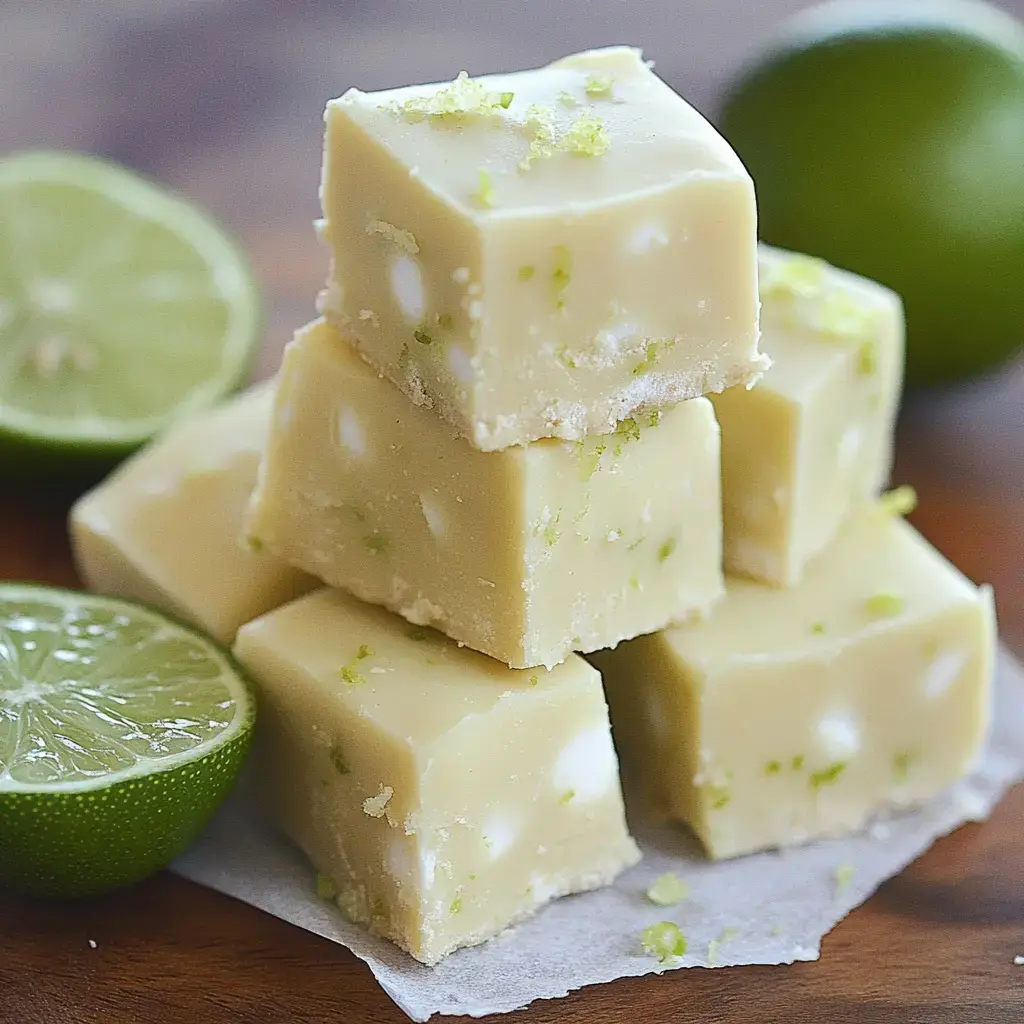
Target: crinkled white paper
[769, 908]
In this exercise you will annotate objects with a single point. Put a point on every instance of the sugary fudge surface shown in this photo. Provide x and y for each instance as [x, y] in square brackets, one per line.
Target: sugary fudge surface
[166, 528]
[544, 253]
[441, 795]
[793, 714]
[813, 439]
[524, 554]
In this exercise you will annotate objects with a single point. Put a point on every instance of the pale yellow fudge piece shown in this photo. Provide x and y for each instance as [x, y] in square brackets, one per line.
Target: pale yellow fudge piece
[525, 554]
[795, 714]
[166, 527]
[813, 440]
[541, 254]
[441, 795]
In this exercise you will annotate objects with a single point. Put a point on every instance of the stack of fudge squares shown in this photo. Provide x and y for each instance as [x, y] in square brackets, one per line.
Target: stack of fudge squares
[558, 402]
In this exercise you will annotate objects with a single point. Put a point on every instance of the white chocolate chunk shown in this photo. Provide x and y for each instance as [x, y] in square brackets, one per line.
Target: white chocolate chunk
[466, 837]
[795, 714]
[407, 287]
[350, 430]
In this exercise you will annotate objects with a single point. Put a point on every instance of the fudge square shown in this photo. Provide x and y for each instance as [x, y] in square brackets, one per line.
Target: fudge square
[813, 439]
[794, 714]
[166, 527]
[441, 796]
[525, 554]
[541, 254]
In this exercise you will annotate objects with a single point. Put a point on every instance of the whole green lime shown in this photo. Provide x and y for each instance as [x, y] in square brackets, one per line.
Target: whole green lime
[888, 138]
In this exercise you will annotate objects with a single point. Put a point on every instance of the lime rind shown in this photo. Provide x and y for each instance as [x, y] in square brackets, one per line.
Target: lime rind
[231, 292]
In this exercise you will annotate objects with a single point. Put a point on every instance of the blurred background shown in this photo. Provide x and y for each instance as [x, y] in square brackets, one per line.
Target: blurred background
[222, 100]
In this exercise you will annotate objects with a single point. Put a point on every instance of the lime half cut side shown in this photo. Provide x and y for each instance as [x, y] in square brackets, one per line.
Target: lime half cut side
[121, 732]
[122, 307]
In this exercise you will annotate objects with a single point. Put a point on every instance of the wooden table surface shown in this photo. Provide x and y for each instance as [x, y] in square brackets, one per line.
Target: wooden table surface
[222, 99]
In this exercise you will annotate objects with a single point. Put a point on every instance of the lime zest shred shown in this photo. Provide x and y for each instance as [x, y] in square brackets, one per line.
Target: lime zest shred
[867, 358]
[325, 888]
[900, 501]
[656, 348]
[797, 763]
[254, 544]
[540, 130]
[364, 652]
[599, 86]
[376, 543]
[526, 272]
[567, 797]
[667, 890]
[484, 194]
[719, 796]
[456, 906]
[663, 940]
[456, 102]
[590, 461]
[587, 136]
[666, 549]
[826, 776]
[844, 876]
[883, 605]
[534, 680]
[561, 275]
[351, 676]
[901, 766]
[634, 582]
[773, 768]
[842, 316]
[818, 628]
[636, 543]
[796, 276]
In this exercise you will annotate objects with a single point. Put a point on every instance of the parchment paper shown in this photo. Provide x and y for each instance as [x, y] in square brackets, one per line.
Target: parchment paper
[770, 908]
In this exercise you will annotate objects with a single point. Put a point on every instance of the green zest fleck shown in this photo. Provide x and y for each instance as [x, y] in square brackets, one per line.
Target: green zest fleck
[422, 336]
[667, 890]
[634, 581]
[844, 876]
[456, 906]
[376, 543]
[773, 768]
[455, 103]
[827, 776]
[534, 680]
[586, 136]
[663, 940]
[365, 651]
[666, 549]
[338, 760]
[561, 274]
[901, 766]
[797, 763]
[719, 796]
[636, 544]
[541, 133]
[351, 676]
[843, 316]
[654, 418]
[867, 358]
[796, 276]
[883, 605]
[254, 544]
[484, 194]
[526, 272]
[472, 877]
[567, 796]
[900, 501]
[325, 888]
[818, 627]
[599, 86]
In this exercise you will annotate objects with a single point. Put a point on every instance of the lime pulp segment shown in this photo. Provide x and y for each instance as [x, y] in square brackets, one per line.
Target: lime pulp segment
[121, 305]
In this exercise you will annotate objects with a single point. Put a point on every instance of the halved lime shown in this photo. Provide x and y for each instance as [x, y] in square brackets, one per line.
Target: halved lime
[122, 307]
[121, 732]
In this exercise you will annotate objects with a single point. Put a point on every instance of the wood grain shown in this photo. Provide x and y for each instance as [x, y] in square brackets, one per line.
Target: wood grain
[222, 99]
